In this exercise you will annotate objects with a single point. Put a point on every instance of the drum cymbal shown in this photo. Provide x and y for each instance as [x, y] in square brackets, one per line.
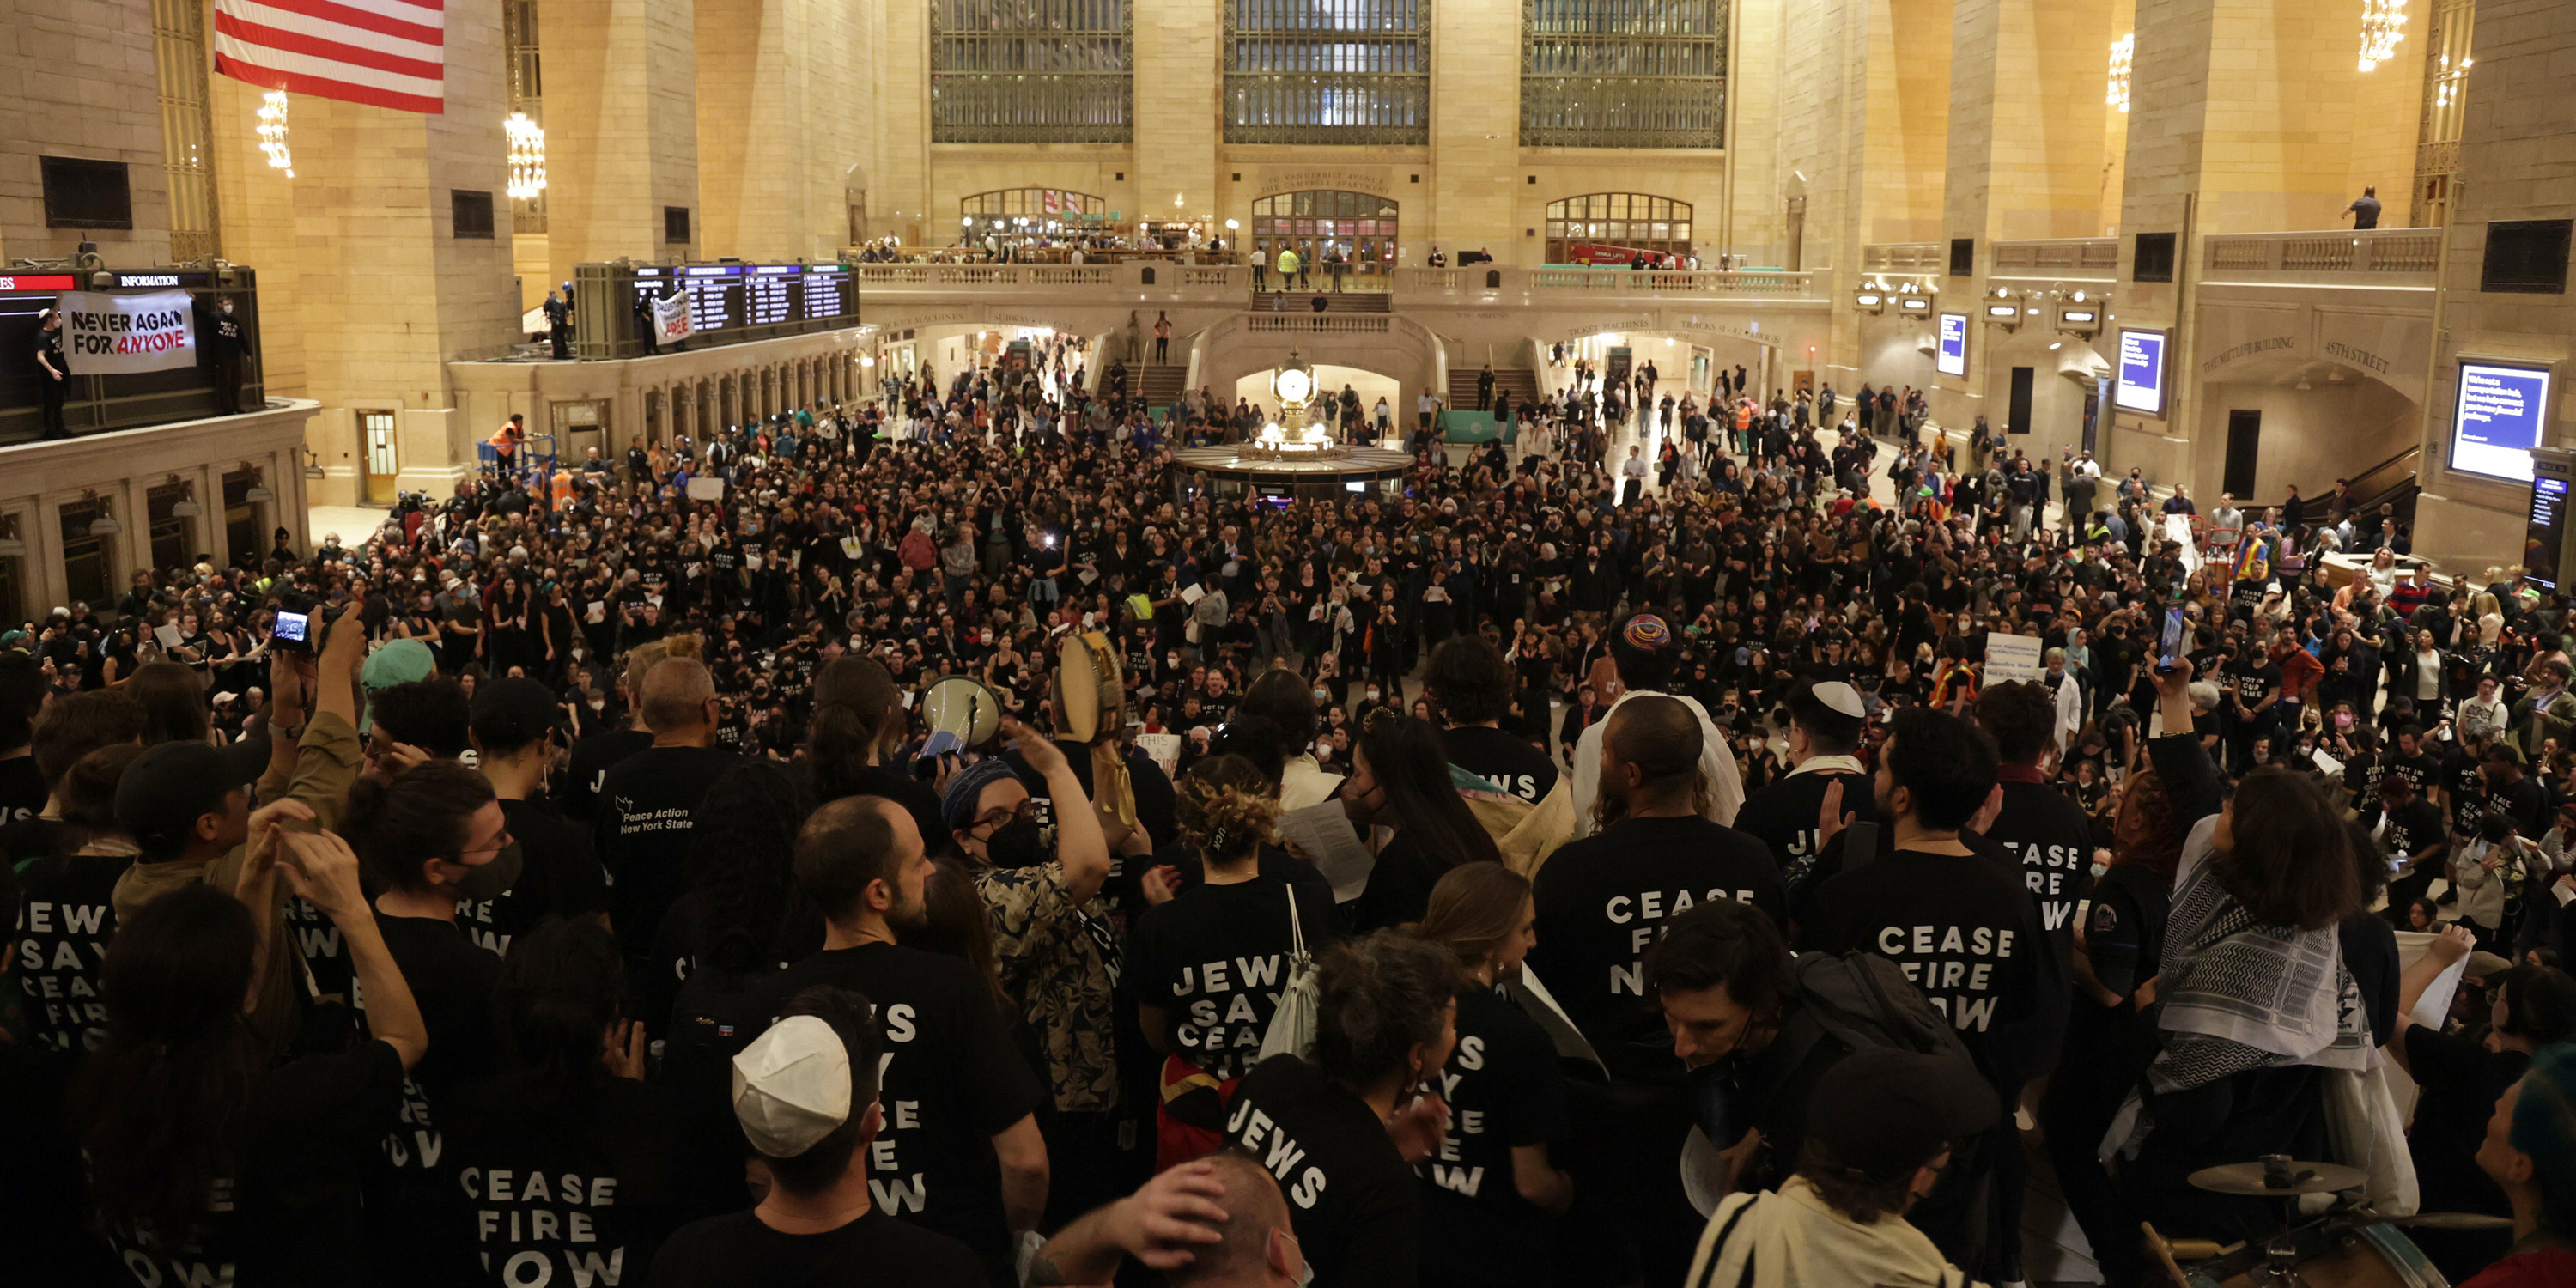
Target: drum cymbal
[2452, 1221]
[2306, 1178]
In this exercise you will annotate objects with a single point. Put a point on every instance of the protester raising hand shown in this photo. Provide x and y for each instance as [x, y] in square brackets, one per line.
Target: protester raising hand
[321, 868]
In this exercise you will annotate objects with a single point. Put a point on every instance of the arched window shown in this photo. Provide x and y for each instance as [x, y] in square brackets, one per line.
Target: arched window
[1623, 73]
[1002, 209]
[1359, 226]
[1606, 227]
[1031, 71]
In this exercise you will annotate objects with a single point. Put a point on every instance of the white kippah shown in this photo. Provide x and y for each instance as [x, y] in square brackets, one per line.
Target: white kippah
[1841, 697]
[791, 1086]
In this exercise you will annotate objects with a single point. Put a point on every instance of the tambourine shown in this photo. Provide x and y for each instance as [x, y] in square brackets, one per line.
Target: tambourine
[1091, 689]
[964, 707]
[1091, 708]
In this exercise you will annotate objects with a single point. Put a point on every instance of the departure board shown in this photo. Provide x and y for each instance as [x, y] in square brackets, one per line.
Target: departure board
[827, 291]
[769, 294]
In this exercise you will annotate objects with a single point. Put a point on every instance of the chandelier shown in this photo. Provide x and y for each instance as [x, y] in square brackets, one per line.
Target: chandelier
[2122, 50]
[527, 156]
[2383, 24]
[272, 131]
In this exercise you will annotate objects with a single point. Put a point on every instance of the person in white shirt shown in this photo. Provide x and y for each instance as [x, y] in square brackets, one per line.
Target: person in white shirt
[2483, 717]
[1632, 475]
[1645, 650]
[1880, 1128]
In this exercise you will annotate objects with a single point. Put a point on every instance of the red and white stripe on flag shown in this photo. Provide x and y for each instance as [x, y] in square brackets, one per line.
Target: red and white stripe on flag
[1050, 202]
[389, 53]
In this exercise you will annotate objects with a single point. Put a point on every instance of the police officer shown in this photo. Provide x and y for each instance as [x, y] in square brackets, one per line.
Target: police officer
[559, 321]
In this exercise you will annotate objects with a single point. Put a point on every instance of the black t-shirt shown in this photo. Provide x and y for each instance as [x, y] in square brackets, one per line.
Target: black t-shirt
[2053, 839]
[875, 1251]
[1508, 762]
[560, 876]
[579, 1189]
[1601, 904]
[913, 795]
[1963, 930]
[1783, 817]
[312, 1126]
[642, 819]
[2412, 827]
[2252, 684]
[1215, 959]
[1504, 1092]
[22, 789]
[65, 917]
[587, 768]
[1356, 1208]
[416, 1219]
[950, 1080]
[2460, 1081]
[2124, 930]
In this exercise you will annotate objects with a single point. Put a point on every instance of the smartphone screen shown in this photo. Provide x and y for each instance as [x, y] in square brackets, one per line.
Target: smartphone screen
[2171, 647]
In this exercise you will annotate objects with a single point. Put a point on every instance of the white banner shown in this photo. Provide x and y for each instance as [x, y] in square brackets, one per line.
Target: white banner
[112, 335]
[2011, 657]
[671, 321]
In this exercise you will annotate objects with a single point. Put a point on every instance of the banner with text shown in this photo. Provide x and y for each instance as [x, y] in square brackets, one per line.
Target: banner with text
[671, 320]
[115, 335]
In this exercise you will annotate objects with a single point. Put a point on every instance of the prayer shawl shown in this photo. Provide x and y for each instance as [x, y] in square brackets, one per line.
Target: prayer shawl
[2239, 996]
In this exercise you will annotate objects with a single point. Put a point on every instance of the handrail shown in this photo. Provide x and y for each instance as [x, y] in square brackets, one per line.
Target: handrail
[2401, 469]
[2332, 250]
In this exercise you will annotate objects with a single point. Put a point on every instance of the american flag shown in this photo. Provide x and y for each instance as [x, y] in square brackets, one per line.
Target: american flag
[389, 53]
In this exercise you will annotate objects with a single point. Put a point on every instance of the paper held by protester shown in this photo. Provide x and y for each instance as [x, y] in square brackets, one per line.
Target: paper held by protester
[2012, 657]
[706, 489]
[1324, 834]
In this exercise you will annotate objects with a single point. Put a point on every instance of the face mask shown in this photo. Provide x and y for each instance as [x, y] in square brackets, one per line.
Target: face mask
[1322, 695]
[1372, 695]
[484, 882]
[1016, 844]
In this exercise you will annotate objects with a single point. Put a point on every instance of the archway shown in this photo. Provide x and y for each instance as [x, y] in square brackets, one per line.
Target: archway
[1330, 378]
[1356, 225]
[1008, 210]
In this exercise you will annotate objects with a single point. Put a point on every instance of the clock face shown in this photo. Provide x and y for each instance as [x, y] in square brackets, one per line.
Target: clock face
[1295, 385]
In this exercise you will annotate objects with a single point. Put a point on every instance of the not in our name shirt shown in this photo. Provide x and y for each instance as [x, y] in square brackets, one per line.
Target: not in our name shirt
[1215, 960]
[59, 942]
[1355, 1206]
[1966, 931]
[1504, 1092]
[950, 1080]
[1602, 902]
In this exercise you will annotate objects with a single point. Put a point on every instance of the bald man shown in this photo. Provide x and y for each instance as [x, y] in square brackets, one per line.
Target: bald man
[646, 807]
[1219, 1222]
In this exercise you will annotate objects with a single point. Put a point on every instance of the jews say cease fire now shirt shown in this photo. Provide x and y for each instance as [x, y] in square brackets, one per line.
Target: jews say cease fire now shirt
[1215, 960]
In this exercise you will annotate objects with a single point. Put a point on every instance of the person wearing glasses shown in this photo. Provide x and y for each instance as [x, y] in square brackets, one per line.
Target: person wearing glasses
[430, 839]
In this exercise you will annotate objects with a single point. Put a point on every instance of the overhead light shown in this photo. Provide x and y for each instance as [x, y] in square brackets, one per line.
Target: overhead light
[2383, 24]
[183, 508]
[272, 132]
[527, 156]
[105, 525]
[2123, 53]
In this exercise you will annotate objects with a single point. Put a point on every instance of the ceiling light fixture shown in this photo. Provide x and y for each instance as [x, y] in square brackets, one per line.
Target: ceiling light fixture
[2123, 51]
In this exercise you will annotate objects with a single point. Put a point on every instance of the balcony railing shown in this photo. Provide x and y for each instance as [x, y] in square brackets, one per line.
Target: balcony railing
[1474, 284]
[2382, 253]
[1486, 284]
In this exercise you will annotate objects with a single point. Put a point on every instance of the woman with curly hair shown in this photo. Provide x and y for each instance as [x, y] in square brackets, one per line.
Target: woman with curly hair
[1207, 965]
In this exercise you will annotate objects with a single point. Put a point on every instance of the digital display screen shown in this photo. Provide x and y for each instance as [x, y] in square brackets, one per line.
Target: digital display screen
[826, 293]
[1950, 354]
[2540, 540]
[2498, 418]
[2078, 315]
[715, 298]
[769, 296]
[2140, 385]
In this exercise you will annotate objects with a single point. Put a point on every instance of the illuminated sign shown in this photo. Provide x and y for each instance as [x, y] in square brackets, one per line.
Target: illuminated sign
[1915, 304]
[147, 279]
[1950, 354]
[2140, 385]
[2541, 538]
[2002, 311]
[38, 282]
[2078, 315]
[1868, 300]
[2500, 414]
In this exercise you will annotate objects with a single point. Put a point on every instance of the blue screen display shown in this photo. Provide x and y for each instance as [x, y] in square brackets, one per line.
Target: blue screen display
[1951, 357]
[2499, 417]
[2141, 384]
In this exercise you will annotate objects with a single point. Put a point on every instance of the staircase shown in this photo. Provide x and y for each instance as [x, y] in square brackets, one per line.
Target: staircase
[1304, 301]
[1159, 386]
[1521, 381]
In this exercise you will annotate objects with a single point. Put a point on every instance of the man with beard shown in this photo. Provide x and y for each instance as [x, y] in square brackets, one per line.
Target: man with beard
[959, 1097]
[1602, 902]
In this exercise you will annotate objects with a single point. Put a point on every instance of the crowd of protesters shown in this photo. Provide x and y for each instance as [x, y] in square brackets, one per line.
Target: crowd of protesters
[585, 899]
